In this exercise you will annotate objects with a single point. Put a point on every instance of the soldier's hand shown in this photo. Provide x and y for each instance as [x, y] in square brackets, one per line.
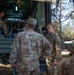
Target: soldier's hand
[12, 65]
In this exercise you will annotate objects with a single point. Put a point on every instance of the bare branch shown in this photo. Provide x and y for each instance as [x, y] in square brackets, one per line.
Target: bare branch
[68, 16]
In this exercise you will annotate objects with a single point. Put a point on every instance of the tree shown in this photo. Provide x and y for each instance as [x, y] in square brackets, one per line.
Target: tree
[63, 18]
[68, 33]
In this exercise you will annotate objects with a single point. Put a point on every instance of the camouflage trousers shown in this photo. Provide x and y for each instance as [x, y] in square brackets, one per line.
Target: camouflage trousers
[34, 72]
[50, 65]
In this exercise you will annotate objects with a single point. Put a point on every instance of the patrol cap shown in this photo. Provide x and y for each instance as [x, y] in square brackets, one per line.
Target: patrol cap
[31, 21]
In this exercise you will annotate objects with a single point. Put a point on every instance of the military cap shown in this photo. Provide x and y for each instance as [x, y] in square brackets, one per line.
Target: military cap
[31, 21]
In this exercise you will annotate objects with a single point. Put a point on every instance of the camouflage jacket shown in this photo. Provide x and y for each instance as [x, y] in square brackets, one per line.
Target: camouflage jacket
[27, 48]
[56, 43]
[4, 27]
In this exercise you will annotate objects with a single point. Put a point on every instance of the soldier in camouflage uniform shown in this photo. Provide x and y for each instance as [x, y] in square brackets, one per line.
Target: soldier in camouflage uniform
[3, 25]
[56, 46]
[27, 48]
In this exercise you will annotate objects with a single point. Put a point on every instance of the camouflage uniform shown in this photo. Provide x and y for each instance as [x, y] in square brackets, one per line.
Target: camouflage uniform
[55, 41]
[4, 27]
[26, 50]
[56, 52]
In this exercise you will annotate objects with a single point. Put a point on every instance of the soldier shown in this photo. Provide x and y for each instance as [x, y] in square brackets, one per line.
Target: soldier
[2, 24]
[54, 39]
[27, 48]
